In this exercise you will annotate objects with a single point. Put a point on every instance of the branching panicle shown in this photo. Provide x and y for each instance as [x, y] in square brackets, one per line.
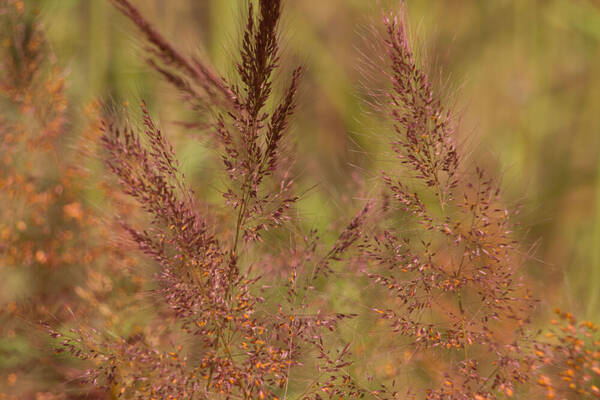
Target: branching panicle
[426, 134]
[242, 349]
[455, 293]
[178, 69]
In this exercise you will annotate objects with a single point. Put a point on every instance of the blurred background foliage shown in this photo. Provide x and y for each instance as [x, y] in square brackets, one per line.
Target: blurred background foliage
[521, 74]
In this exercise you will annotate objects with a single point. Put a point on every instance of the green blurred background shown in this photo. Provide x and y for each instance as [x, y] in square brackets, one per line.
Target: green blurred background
[522, 75]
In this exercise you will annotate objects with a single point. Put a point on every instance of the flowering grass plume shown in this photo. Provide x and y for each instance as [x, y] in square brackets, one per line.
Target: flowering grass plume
[231, 343]
[454, 296]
